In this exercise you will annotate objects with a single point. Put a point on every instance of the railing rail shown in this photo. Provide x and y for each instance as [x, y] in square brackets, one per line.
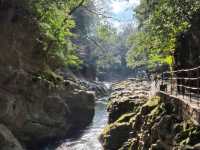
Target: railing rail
[185, 82]
[183, 70]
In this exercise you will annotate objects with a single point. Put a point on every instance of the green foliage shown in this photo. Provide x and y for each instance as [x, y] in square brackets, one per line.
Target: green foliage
[105, 51]
[106, 33]
[160, 22]
[110, 48]
[55, 23]
[49, 76]
[72, 60]
[137, 57]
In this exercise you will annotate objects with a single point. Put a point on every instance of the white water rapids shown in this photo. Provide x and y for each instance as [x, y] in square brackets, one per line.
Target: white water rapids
[88, 140]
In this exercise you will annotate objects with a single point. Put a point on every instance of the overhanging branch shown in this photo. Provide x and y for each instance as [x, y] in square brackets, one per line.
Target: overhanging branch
[78, 6]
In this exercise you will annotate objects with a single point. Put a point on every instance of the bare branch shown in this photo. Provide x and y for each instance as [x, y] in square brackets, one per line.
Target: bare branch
[101, 14]
[96, 43]
[75, 8]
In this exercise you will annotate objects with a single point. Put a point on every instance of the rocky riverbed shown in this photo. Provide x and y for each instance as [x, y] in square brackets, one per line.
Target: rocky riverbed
[138, 121]
[87, 138]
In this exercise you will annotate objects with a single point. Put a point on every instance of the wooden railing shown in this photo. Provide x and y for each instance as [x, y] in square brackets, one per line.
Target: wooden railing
[185, 82]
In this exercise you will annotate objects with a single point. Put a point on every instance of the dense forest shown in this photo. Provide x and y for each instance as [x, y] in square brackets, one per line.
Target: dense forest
[78, 34]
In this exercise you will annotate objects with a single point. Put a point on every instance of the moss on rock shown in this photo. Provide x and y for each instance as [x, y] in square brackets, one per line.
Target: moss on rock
[151, 125]
[115, 135]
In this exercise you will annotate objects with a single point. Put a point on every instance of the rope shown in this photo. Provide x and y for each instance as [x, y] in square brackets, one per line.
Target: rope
[187, 76]
[183, 70]
[183, 78]
[187, 87]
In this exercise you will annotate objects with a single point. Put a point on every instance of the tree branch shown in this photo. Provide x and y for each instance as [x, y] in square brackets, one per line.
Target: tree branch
[75, 8]
[72, 11]
[100, 14]
[96, 43]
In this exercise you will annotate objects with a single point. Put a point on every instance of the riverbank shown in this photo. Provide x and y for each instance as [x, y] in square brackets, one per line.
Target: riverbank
[87, 138]
[40, 100]
[139, 121]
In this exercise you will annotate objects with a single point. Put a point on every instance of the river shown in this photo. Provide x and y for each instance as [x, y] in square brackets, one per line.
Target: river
[88, 140]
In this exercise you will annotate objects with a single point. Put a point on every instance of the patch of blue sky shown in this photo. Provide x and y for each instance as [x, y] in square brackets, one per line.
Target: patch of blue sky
[122, 11]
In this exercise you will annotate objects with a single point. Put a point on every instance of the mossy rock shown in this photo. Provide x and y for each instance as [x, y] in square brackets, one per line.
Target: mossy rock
[115, 135]
[150, 105]
[126, 118]
[154, 101]
[131, 144]
[118, 108]
[177, 128]
[158, 146]
[48, 75]
[194, 137]
[154, 114]
[182, 136]
[189, 135]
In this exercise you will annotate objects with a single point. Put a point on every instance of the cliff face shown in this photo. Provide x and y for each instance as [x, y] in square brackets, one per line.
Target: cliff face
[187, 53]
[137, 122]
[20, 47]
[32, 109]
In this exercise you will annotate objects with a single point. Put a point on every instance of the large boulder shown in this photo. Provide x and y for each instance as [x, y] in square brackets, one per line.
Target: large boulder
[114, 135]
[117, 108]
[98, 87]
[126, 97]
[123, 108]
[38, 112]
[7, 140]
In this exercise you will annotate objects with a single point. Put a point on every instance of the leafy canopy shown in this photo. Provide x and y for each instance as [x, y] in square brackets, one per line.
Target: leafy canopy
[55, 23]
[110, 49]
[160, 21]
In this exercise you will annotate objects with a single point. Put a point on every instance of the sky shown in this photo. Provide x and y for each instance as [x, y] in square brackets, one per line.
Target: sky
[122, 10]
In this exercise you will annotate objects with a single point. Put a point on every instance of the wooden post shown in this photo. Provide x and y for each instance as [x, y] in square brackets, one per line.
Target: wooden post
[190, 85]
[161, 86]
[181, 87]
[176, 84]
[171, 82]
[183, 83]
[198, 86]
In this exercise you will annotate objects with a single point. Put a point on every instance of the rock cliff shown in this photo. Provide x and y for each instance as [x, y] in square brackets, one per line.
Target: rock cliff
[34, 109]
[187, 53]
[137, 122]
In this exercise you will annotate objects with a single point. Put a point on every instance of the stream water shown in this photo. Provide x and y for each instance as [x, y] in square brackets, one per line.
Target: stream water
[88, 140]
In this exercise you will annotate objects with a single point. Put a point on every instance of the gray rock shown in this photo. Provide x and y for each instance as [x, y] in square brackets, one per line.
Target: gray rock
[197, 146]
[7, 140]
[37, 112]
[35, 103]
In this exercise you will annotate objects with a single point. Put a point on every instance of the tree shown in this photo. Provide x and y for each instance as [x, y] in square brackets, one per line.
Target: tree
[160, 22]
[54, 18]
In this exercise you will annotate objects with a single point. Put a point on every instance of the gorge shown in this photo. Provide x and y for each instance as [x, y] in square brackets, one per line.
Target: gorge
[84, 75]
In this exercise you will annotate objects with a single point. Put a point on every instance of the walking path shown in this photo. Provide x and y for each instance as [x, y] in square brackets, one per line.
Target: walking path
[154, 88]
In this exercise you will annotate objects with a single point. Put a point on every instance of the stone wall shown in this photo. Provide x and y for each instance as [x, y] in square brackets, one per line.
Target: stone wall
[185, 108]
